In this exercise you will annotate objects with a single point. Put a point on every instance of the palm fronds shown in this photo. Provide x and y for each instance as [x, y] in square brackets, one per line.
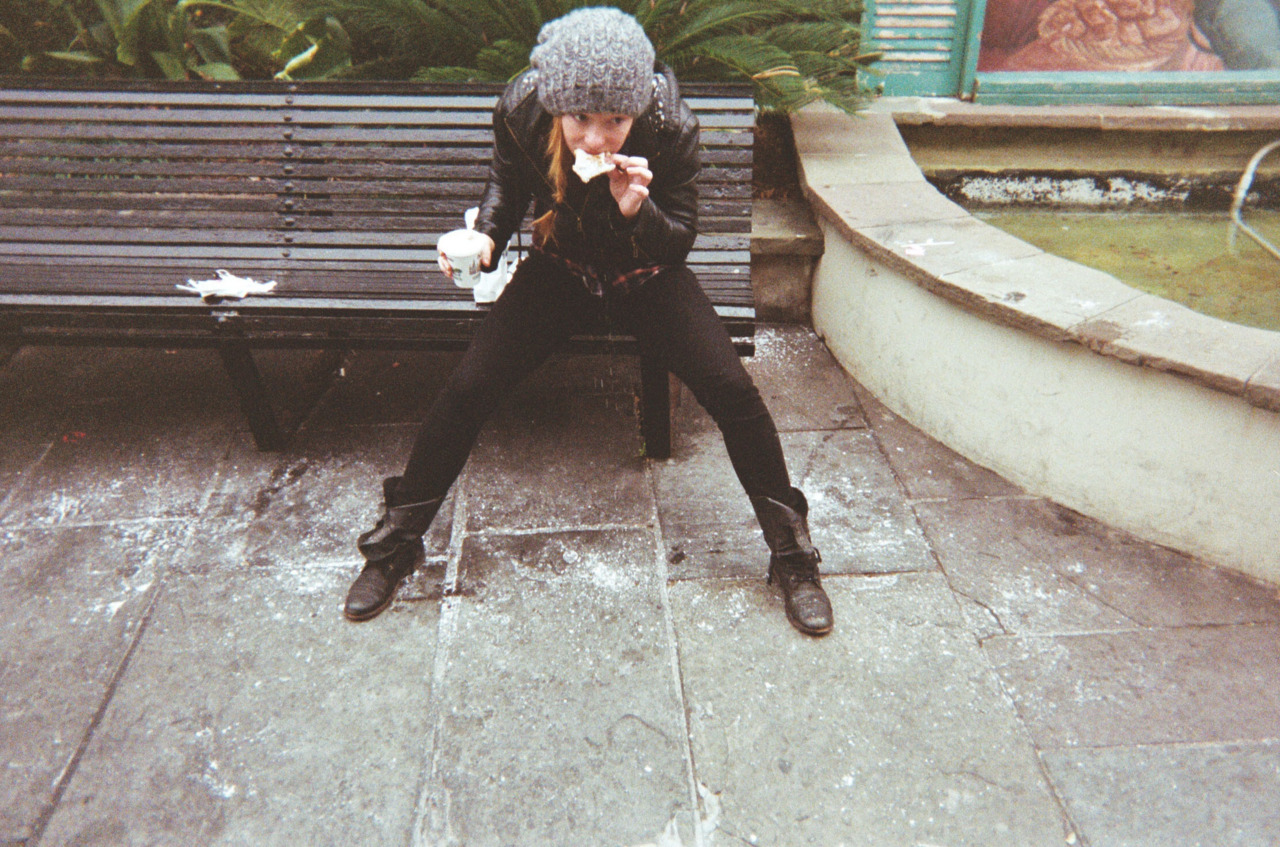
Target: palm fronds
[794, 51]
[446, 37]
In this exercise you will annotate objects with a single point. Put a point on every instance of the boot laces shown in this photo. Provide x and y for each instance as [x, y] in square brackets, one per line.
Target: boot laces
[807, 573]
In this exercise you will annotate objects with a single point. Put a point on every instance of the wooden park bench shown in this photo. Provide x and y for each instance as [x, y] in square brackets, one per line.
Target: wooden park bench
[113, 193]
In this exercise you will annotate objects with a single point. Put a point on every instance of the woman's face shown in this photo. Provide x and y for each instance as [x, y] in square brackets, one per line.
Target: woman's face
[596, 133]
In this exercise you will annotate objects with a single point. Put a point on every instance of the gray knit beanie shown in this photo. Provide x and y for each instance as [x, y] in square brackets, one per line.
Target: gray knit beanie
[593, 61]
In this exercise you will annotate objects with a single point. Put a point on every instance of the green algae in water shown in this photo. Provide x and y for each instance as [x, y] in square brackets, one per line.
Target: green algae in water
[1181, 256]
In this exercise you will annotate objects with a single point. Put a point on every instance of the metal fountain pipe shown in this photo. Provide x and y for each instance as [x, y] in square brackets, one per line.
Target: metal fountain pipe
[1242, 190]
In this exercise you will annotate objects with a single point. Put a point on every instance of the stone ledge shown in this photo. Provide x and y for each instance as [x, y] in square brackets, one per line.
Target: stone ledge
[1263, 388]
[784, 227]
[908, 225]
[1156, 333]
[921, 111]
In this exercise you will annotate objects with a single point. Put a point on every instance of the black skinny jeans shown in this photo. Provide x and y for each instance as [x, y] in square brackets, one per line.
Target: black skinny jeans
[670, 317]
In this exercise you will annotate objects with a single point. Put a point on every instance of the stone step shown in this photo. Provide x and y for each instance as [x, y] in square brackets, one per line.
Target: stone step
[786, 244]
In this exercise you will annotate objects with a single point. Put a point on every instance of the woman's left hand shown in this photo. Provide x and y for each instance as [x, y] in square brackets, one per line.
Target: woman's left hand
[630, 186]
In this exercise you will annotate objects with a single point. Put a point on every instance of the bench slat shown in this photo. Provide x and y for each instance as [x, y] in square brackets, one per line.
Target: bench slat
[479, 134]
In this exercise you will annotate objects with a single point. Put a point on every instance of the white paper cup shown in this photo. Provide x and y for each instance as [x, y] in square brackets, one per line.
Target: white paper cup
[462, 249]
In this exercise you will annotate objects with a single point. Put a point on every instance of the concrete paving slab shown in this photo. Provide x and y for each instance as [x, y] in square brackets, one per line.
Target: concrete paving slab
[35, 393]
[562, 723]
[48, 382]
[708, 526]
[251, 713]
[890, 730]
[1157, 686]
[106, 471]
[1151, 584]
[857, 514]
[926, 468]
[383, 387]
[192, 383]
[1033, 567]
[607, 374]
[36, 384]
[71, 604]
[802, 385]
[21, 449]
[1005, 587]
[305, 506]
[129, 445]
[544, 678]
[553, 458]
[857, 517]
[1222, 795]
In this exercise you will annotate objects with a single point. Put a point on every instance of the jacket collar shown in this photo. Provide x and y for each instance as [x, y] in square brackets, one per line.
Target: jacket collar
[529, 124]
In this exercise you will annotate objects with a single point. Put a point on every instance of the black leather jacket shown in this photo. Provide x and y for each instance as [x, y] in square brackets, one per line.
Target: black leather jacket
[590, 229]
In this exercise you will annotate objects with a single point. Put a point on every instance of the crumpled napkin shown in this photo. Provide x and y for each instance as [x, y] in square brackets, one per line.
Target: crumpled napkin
[227, 286]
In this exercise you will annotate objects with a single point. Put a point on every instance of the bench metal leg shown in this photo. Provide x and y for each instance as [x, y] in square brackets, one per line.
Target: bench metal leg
[254, 402]
[655, 409]
[273, 432]
[311, 388]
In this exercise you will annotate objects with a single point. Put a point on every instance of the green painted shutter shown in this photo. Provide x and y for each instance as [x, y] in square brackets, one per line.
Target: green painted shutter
[924, 44]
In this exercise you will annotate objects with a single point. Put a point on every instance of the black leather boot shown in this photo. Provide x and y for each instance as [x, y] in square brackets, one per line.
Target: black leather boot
[794, 562]
[392, 549]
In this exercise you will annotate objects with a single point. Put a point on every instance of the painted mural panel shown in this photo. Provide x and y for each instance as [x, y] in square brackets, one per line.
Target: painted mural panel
[1130, 35]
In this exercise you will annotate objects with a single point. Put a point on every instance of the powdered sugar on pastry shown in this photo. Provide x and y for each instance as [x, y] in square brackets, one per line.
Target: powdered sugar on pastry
[588, 167]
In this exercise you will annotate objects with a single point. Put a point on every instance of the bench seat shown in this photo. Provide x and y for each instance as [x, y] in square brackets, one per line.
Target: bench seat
[112, 194]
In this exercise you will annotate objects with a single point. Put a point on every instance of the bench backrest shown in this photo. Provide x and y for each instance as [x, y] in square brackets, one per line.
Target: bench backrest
[332, 189]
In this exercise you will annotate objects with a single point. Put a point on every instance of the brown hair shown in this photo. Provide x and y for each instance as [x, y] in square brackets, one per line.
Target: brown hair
[544, 228]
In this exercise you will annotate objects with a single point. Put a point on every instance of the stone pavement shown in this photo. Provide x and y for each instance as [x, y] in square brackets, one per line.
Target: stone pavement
[590, 655]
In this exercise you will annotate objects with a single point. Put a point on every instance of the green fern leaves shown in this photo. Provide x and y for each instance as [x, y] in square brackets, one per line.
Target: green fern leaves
[794, 52]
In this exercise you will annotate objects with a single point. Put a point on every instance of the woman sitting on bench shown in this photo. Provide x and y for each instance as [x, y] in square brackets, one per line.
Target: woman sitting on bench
[613, 243]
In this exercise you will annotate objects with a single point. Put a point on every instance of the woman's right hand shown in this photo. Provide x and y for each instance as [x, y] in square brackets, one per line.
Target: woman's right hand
[486, 256]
